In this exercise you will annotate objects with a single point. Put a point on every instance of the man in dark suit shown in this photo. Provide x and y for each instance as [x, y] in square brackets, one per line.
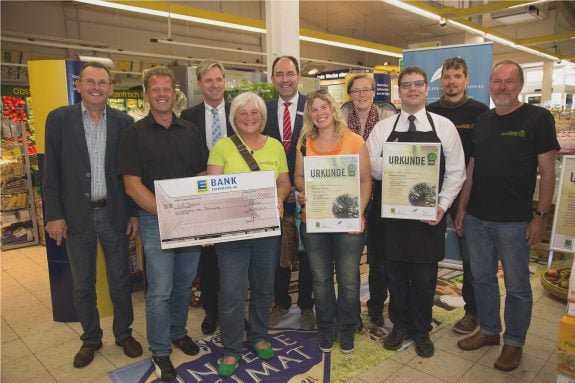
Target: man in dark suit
[211, 119]
[284, 123]
[85, 201]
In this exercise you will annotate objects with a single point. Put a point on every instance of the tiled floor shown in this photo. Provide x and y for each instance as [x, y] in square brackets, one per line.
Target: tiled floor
[37, 349]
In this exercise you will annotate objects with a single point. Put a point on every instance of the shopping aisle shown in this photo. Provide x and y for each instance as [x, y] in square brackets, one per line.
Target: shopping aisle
[37, 349]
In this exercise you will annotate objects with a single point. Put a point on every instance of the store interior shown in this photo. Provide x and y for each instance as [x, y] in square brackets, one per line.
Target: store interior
[333, 40]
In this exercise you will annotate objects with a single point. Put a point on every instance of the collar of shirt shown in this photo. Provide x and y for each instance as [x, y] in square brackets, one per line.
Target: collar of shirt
[221, 107]
[86, 115]
[175, 121]
[421, 122]
[292, 112]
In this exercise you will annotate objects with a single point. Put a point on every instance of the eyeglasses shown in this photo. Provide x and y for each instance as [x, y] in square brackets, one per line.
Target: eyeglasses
[360, 91]
[92, 82]
[418, 84]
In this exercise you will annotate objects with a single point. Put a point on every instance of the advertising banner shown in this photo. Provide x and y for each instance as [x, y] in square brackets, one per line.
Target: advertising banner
[477, 56]
[563, 231]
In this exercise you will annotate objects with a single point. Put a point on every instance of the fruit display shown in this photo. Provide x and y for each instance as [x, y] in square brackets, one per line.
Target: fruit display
[556, 282]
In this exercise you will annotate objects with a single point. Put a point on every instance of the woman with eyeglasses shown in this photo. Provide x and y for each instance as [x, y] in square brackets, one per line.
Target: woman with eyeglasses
[324, 132]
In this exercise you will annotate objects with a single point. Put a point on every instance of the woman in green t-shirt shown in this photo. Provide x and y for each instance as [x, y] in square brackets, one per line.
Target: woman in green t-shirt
[249, 260]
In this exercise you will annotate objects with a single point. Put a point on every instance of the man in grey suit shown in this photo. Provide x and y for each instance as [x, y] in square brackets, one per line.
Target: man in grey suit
[211, 118]
[85, 202]
[284, 123]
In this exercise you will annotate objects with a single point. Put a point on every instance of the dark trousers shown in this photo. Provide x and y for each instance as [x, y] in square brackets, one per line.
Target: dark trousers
[209, 280]
[304, 285]
[467, 290]
[82, 249]
[377, 276]
[412, 288]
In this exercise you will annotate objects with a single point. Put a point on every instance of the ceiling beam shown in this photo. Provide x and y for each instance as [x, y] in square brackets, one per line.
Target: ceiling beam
[547, 39]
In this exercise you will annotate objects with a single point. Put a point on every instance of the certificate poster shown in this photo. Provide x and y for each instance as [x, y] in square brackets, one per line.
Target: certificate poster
[210, 209]
[332, 193]
[410, 180]
[563, 232]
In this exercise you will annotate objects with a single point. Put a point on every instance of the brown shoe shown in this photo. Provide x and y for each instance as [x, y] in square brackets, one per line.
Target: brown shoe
[466, 325]
[131, 346]
[86, 354]
[478, 340]
[509, 358]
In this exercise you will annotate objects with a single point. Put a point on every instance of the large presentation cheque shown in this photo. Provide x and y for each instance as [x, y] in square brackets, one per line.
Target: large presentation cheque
[410, 180]
[332, 193]
[563, 231]
[210, 209]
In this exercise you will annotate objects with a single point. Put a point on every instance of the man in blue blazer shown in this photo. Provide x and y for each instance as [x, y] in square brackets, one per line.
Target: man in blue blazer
[85, 202]
[211, 82]
[284, 123]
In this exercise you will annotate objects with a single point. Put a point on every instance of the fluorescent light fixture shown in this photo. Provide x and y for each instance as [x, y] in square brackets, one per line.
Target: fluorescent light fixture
[528, 4]
[349, 46]
[500, 40]
[410, 8]
[171, 15]
[172, 42]
[334, 63]
[466, 28]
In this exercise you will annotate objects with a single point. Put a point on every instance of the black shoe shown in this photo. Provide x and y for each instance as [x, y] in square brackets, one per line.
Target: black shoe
[395, 339]
[187, 345]
[86, 354]
[164, 369]
[424, 346]
[209, 324]
[376, 319]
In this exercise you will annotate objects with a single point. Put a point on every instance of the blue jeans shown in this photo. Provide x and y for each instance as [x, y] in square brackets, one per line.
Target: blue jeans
[169, 274]
[240, 262]
[342, 250]
[81, 249]
[487, 242]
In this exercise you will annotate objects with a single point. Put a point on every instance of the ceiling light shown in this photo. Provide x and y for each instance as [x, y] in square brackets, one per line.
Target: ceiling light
[171, 15]
[106, 61]
[349, 46]
[313, 71]
[466, 28]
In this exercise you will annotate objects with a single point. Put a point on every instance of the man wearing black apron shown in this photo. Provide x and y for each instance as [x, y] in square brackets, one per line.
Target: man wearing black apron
[412, 247]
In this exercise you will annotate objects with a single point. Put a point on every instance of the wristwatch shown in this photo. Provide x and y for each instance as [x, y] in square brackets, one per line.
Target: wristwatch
[540, 214]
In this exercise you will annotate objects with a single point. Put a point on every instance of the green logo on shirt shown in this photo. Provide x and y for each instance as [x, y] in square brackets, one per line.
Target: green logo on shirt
[514, 133]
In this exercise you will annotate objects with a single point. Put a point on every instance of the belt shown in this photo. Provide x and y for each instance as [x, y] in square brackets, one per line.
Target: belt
[98, 204]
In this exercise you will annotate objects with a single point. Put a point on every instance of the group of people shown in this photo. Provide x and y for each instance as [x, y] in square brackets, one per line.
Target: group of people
[99, 175]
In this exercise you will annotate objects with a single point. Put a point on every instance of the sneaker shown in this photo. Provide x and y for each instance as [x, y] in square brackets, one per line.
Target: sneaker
[326, 345]
[376, 319]
[276, 316]
[466, 325]
[424, 346]
[164, 369]
[346, 348]
[307, 319]
[395, 339]
[187, 345]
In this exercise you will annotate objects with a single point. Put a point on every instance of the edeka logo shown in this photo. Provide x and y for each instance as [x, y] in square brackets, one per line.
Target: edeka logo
[431, 158]
[297, 355]
[514, 133]
[202, 186]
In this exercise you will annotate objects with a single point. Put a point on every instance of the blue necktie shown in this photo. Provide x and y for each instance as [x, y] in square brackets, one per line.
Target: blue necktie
[216, 128]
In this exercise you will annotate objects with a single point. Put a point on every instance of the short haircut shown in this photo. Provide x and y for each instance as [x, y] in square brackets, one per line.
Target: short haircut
[158, 71]
[291, 58]
[207, 65]
[455, 63]
[357, 77]
[242, 99]
[96, 64]
[509, 62]
[411, 70]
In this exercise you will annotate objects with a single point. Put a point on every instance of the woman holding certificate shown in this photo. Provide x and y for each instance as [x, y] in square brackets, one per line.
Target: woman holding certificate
[250, 260]
[325, 133]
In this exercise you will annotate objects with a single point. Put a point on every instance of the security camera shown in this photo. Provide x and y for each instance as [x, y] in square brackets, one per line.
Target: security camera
[442, 22]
